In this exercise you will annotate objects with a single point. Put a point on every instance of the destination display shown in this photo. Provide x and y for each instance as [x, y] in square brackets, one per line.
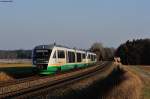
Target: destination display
[38, 51]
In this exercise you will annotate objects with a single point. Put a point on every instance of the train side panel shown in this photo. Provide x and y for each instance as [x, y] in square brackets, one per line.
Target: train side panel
[64, 59]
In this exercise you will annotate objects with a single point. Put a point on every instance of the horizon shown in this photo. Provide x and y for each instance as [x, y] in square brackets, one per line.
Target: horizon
[74, 46]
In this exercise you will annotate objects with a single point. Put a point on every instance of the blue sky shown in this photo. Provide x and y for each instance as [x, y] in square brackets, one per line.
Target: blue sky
[75, 23]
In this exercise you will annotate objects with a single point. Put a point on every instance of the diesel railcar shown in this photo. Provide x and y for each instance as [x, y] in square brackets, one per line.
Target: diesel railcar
[49, 59]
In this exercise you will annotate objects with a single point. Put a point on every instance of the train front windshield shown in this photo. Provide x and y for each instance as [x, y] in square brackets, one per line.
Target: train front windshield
[41, 56]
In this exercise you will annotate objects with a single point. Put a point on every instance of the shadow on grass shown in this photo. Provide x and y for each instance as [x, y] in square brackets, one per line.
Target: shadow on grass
[98, 90]
[101, 89]
[17, 72]
[108, 84]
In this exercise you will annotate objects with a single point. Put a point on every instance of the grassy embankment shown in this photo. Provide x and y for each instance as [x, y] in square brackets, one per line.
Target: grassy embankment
[121, 84]
[144, 73]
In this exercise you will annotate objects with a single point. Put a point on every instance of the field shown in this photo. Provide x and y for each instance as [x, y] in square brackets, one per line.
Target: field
[7, 65]
[123, 83]
[144, 73]
[12, 69]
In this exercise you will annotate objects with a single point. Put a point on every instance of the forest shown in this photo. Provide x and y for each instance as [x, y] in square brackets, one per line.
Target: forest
[135, 52]
[15, 54]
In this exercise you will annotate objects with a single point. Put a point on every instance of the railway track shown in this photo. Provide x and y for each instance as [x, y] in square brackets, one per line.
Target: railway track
[31, 86]
[34, 77]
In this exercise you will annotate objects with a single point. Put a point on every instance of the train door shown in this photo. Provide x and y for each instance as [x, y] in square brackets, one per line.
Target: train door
[54, 59]
[88, 58]
[83, 58]
[61, 57]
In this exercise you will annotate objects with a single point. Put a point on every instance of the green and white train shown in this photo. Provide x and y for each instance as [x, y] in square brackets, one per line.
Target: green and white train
[49, 59]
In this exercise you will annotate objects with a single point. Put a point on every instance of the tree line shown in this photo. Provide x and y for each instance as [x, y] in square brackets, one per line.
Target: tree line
[103, 53]
[15, 54]
[135, 52]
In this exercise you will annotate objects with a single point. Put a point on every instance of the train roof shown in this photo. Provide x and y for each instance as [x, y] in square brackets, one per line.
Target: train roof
[44, 47]
[51, 46]
[91, 53]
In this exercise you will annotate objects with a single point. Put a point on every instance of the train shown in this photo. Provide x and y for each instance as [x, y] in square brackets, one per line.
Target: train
[49, 59]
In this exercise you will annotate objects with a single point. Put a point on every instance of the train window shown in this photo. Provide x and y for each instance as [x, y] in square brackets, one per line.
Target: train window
[83, 56]
[71, 57]
[42, 53]
[41, 56]
[54, 56]
[92, 57]
[78, 57]
[89, 56]
[61, 54]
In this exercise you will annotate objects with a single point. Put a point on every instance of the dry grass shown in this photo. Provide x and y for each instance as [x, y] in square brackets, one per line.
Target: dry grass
[129, 88]
[145, 68]
[3, 65]
[5, 77]
[144, 73]
[15, 63]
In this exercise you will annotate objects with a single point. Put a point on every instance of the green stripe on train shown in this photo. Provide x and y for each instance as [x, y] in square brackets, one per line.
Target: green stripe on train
[66, 67]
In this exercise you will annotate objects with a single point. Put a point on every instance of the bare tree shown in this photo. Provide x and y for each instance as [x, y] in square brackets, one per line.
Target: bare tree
[109, 53]
[98, 49]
